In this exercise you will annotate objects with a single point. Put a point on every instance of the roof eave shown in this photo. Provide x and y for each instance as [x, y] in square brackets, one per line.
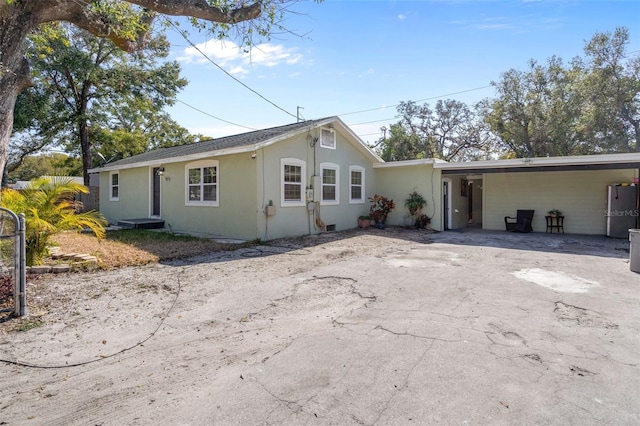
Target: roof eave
[578, 160]
[180, 159]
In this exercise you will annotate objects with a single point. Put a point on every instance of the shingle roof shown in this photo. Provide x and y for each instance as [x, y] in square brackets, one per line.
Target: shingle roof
[244, 139]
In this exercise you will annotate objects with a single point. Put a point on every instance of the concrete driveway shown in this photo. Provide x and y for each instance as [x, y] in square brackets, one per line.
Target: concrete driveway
[376, 327]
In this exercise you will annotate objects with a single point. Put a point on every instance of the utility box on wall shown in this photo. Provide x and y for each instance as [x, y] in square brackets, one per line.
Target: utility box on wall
[270, 210]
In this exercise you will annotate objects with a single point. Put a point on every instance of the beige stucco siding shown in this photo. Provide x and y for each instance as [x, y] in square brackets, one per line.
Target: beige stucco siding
[133, 199]
[398, 182]
[580, 195]
[296, 220]
[235, 214]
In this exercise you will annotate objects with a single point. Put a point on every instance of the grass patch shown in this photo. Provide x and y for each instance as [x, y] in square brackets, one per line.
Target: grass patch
[142, 236]
[135, 247]
[29, 324]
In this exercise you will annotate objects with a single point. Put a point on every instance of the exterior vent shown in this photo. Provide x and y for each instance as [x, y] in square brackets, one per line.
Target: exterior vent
[331, 227]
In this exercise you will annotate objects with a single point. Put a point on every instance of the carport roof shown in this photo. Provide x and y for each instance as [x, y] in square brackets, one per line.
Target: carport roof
[579, 162]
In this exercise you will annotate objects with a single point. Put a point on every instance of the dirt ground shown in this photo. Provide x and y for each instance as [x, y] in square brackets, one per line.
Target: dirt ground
[367, 327]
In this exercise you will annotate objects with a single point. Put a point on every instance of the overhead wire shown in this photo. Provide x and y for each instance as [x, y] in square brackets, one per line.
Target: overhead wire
[223, 70]
[183, 35]
[418, 100]
[213, 116]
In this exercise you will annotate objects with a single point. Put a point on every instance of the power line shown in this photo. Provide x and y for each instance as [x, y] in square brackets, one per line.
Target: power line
[222, 69]
[418, 100]
[213, 116]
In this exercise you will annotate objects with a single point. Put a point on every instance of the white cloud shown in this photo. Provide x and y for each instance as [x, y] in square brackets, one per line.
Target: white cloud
[228, 54]
[370, 71]
[238, 71]
[402, 17]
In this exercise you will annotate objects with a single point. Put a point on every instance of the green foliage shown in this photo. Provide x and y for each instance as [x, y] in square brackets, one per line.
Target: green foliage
[36, 166]
[422, 221]
[536, 110]
[142, 236]
[98, 97]
[50, 207]
[29, 324]
[415, 202]
[380, 208]
[611, 87]
[452, 131]
[589, 106]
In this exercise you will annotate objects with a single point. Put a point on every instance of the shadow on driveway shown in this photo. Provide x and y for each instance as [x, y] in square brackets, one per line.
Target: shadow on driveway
[592, 245]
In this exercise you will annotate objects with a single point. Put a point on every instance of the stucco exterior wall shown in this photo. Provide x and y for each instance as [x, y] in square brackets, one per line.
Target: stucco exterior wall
[580, 195]
[398, 182]
[296, 220]
[134, 196]
[235, 215]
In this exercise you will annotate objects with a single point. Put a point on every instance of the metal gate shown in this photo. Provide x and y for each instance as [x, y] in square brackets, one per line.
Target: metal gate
[13, 256]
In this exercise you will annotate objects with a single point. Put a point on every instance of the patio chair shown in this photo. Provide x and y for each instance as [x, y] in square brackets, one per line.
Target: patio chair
[520, 223]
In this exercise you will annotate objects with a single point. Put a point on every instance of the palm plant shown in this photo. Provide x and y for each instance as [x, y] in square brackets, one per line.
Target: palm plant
[50, 207]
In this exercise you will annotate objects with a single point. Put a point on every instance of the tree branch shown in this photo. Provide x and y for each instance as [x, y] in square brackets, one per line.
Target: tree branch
[80, 14]
[201, 9]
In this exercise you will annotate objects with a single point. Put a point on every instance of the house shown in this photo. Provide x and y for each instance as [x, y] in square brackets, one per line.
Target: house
[316, 176]
[285, 181]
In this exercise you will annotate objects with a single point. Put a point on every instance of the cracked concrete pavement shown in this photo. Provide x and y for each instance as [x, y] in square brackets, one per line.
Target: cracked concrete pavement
[387, 327]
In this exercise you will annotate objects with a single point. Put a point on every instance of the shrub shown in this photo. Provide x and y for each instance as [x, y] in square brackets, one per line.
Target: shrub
[415, 202]
[422, 221]
[49, 207]
[380, 208]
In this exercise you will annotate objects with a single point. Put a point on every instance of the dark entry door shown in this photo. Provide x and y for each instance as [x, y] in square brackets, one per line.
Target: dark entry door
[445, 203]
[155, 202]
[470, 208]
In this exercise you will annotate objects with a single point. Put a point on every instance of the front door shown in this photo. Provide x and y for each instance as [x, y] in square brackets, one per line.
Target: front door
[155, 191]
[470, 206]
[445, 203]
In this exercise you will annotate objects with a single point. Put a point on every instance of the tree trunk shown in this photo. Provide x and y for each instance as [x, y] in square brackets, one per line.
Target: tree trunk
[15, 24]
[85, 145]
[19, 17]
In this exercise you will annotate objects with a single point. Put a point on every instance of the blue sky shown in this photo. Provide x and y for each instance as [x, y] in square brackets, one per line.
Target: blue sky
[362, 57]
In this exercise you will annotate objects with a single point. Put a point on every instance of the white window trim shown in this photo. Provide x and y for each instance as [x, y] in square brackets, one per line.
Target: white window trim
[303, 184]
[111, 186]
[357, 200]
[329, 166]
[199, 165]
[333, 132]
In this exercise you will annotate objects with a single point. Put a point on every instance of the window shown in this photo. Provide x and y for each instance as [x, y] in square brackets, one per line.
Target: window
[114, 185]
[356, 185]
[328, 138]
[330, 174]
[293, 182]
[202, 183]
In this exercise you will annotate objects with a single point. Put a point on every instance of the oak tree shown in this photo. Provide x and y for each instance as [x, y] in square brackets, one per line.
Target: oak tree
[126, 23]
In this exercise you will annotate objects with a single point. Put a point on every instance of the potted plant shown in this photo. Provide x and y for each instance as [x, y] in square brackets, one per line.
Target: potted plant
[364, 221]
[380, 208]
[415, 203]
[555, 213]
[422, 221]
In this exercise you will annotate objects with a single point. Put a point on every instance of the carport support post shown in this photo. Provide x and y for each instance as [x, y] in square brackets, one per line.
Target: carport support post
[20, 274]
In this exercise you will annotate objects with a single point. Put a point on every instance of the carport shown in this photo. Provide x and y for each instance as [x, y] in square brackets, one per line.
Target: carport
[482, 193]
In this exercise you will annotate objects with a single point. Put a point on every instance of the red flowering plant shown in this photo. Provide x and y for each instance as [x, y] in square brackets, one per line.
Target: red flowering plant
[380, 208]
